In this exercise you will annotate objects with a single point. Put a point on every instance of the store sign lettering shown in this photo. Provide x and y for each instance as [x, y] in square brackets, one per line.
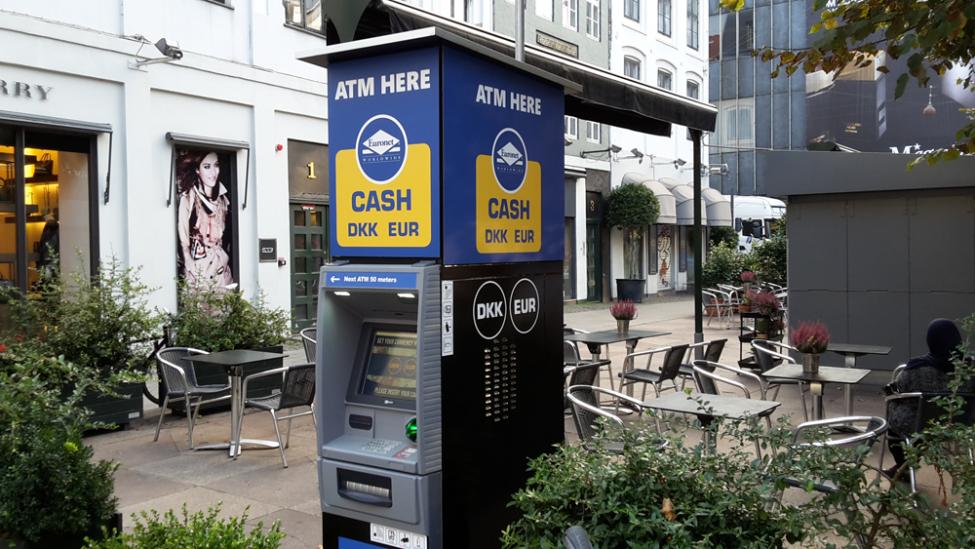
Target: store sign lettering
[25, 90]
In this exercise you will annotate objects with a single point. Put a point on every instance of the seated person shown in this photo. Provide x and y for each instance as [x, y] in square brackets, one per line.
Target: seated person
[929, 373]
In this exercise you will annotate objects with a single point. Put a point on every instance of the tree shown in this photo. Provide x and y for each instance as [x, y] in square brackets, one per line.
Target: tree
[934, 36]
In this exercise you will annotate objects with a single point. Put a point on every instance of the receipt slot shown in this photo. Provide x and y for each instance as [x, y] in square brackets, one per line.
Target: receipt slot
[439, 322]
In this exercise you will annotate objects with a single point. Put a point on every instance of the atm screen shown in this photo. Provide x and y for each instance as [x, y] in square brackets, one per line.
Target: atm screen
[390, 369]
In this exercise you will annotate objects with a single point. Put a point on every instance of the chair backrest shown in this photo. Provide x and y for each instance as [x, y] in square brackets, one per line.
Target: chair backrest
[570, 353]
[704, 383]
[586, 411]
[177, 370]
[585, 373]
[871, 431]
[309, 340]
[672, 362]
[714, 349]
[298, 387]
[930, 410]
[766, 356]
[576, 538]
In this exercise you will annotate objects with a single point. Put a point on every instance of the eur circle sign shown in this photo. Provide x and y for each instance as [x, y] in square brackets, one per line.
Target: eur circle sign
[490, 309]
[523, 306]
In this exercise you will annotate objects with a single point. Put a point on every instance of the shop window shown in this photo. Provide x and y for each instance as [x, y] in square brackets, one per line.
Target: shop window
[53, 232]
[305, 14]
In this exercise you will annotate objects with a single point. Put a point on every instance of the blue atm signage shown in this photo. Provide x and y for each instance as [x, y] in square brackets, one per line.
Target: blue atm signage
[503, 163]
[372, 280]
[384, 174]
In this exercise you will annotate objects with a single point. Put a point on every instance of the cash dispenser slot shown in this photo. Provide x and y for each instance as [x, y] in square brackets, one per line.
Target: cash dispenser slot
[365, 487]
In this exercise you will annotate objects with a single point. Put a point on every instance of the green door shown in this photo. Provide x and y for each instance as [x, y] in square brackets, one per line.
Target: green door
[309, 250]
[594, 264]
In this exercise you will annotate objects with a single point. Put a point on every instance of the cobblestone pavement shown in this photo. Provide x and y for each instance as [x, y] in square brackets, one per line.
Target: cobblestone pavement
[166, 474]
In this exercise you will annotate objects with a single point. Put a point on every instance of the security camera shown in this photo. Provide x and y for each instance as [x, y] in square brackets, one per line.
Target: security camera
[615, 148]
[173, 52]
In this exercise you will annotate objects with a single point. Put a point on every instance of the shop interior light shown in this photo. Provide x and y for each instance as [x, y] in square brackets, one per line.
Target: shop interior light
[342, 293]
[406, 295]
[29, 170]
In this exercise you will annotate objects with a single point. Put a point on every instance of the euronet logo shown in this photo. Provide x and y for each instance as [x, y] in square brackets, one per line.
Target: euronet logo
[381, 148]
[510, 155]
[510, 159]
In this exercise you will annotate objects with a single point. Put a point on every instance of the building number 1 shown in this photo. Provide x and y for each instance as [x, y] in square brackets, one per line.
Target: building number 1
[311, 170]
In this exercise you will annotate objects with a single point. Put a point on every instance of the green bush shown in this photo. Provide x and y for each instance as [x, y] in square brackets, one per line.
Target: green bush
[192, 531]
[51, 489]
[215, 319]
[768, 259]
[727, 235]
[724, 266]
[91, 321]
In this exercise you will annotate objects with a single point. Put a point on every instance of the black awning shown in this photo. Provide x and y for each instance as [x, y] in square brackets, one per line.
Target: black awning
[604, 97]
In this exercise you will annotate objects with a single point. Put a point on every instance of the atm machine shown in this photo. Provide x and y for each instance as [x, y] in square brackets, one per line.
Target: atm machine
[440, 318]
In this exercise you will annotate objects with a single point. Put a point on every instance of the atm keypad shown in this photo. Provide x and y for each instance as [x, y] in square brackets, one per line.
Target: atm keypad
[381, 446]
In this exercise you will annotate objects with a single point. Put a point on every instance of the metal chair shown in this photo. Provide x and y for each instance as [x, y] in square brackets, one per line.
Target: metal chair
[297, 389]
[586, 412]
[928, 410]
[669, 369]
[767, 358]
[717, 299]
[581, 373]
[180, 379]
[577, 538]
[609, 367]
[706, 380]
[308, 340]
[873, 428]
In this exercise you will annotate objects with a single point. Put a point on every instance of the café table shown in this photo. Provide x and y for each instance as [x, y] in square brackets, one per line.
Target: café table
[707, 407]
[850, 352]
[825, 375]
[235, 363]
[595, 341]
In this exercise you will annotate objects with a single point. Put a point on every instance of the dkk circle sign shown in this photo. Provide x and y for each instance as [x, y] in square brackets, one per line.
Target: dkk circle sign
[523, 306]
[490, 310]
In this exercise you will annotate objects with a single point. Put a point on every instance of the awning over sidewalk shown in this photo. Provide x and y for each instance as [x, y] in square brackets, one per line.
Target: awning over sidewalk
[603, 97]
[668, 204]
[684, 196]
[718, 207]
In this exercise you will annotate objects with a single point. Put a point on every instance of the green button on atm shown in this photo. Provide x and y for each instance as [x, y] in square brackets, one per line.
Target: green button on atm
[411, 429]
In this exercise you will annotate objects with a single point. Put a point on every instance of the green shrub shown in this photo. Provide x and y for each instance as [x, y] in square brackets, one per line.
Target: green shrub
[632, 206]
[51, 489]
[724, 266]
[768, 259]
[215, 319]
[727, 235]
[192, 531]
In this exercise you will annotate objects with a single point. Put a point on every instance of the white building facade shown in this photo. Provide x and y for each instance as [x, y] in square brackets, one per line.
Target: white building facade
[661, 43]
[98, 127]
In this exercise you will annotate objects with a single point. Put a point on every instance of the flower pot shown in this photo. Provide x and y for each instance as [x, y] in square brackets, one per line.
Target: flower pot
[744, 307]
[630, 289]
[118, 410]
[622, 326]
[810, 363]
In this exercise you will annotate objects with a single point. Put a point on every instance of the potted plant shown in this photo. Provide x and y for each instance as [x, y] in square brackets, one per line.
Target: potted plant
[631, 207]
[54, 493]
[811, 339]
[216, 319]
[97, 323]
[747, 279]
[769, 306]
[623, 311]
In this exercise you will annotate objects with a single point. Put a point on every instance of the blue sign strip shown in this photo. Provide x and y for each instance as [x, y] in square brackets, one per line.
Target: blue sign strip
[371, 280]
[346, 543]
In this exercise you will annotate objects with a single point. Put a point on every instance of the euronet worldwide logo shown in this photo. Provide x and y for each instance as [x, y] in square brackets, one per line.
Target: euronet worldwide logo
[381, 148]
[510, 156]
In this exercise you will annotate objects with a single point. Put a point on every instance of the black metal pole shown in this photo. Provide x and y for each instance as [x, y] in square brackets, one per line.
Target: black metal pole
[696, 244]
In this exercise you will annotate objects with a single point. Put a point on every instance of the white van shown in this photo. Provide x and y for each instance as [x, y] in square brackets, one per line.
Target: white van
[756, 218]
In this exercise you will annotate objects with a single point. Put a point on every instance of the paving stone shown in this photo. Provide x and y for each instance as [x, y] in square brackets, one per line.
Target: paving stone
[303, 530]
[196, 499]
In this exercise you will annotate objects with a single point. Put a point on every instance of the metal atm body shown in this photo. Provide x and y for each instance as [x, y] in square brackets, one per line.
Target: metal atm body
[439, 325]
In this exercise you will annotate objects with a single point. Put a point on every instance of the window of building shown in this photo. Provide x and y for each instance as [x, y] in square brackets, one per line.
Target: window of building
[631, 67]
[594, 132]
[570, 14]
[736, 124]
[306, 14]
[472, 12]
[592, 19]
[631, 9]
[665, 79]
[545, 9]
[571, 127]
[693, 13]
[693, 89]
[663, 17]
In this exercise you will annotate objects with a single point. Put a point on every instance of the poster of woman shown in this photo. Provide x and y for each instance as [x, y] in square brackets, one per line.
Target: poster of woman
[204, 218]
